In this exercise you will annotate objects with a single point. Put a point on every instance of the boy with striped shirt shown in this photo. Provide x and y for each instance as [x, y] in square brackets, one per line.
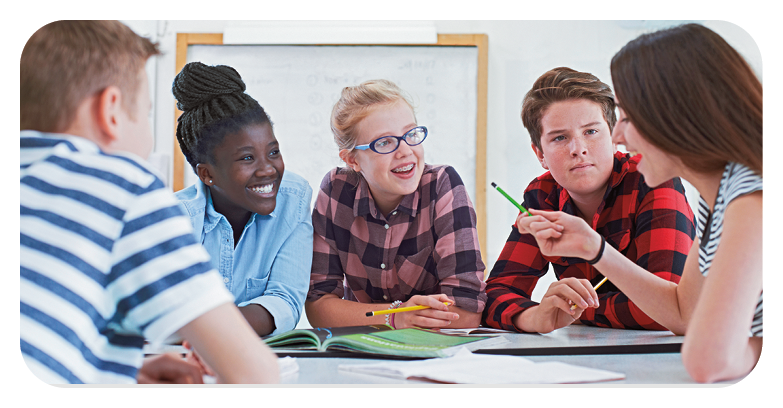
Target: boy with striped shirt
[107, 257]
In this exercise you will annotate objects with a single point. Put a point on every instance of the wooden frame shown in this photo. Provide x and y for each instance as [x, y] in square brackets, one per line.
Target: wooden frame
[481, 41]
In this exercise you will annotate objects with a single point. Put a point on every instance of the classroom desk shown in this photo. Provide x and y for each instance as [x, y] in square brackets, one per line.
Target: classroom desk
[654, 368]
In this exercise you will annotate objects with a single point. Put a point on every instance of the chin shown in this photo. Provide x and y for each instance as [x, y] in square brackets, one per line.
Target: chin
[265, 210]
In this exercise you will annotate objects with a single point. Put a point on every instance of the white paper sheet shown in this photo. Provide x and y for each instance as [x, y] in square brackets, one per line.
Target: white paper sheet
[468, 368]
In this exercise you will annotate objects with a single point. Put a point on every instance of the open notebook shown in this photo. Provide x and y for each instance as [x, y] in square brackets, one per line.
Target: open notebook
[468, 368]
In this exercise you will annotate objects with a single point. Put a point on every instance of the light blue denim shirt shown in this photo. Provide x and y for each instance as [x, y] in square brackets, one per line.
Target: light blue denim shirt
[270, 265]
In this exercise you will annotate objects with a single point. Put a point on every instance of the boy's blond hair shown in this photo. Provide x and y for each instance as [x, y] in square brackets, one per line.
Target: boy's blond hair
[65, 62]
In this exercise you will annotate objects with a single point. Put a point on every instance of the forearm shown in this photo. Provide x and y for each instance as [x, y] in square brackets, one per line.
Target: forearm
[466, 319]
[331, 311]
[504, 304]
[230, 347]
[259, 319]
[656, 297]
[527, 321]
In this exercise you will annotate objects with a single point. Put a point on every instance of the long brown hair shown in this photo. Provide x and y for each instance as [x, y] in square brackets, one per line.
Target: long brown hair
[692, 95]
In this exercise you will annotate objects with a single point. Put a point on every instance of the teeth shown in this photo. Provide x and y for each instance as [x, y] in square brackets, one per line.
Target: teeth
[263, 189]
[403, 169]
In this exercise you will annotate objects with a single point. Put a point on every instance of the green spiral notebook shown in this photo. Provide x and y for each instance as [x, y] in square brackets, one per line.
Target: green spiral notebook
[375, 339]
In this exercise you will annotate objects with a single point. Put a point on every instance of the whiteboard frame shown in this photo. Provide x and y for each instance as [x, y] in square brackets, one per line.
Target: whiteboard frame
[480, 41]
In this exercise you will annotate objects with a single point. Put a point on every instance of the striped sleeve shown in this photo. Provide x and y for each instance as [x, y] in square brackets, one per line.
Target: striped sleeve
[161, 279]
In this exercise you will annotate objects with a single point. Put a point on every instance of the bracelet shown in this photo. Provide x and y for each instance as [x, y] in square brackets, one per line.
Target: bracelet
[600, 252]
[390, 316]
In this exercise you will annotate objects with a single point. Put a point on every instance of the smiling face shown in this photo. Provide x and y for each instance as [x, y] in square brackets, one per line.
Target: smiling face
[246, 173]
[576, 147]
[389, 176]
[656, 166]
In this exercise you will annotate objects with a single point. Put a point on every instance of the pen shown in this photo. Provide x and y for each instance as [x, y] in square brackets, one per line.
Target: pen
[510, 199]
[400, 309]
[594, 288]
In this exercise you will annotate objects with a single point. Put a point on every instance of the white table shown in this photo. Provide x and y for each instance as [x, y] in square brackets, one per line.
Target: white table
[655, 368]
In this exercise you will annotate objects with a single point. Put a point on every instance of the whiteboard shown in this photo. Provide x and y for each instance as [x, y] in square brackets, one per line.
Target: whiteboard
[299, 85]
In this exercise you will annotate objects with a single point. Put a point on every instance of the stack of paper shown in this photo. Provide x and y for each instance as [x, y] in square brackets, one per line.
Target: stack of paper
[468, 368]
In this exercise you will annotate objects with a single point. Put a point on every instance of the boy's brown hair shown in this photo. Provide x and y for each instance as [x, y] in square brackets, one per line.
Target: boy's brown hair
[561, 84]
[65, 62]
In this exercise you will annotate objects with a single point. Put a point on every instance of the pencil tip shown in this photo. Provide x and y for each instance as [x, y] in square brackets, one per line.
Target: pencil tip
[493, 184]
[368, 314]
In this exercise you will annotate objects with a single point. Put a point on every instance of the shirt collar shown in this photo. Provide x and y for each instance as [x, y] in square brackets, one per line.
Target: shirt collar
[212, 218]
[364, 204]
[80, 143]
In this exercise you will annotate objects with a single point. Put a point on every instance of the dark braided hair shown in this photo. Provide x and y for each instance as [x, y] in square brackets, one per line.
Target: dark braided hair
[213, 104]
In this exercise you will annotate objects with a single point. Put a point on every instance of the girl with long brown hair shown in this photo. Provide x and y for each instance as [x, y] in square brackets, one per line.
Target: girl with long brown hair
[689, 107]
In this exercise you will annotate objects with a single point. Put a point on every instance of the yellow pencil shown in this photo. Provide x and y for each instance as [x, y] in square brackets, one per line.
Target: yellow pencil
[594, 288]
[400, 309]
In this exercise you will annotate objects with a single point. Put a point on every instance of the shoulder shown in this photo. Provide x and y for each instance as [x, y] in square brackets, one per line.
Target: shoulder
[445, 176]
[544, 183]
[339, 179]
[192, 200]
[187, 193]
[294, 184]
[542, 193]
[739, 181]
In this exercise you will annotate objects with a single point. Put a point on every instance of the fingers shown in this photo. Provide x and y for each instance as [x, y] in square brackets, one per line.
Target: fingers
[169, 368]
[578, 291]
[433, 301]
[436, 316]
[532, 224]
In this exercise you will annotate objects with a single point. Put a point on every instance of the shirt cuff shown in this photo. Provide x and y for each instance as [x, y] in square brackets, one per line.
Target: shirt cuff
[279, 309]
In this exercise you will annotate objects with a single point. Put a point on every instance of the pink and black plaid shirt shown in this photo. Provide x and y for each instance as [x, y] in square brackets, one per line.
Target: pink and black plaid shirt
[653, 227]
[427, 245]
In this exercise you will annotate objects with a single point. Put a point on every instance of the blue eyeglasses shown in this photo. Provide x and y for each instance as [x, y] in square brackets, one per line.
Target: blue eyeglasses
[388, 144]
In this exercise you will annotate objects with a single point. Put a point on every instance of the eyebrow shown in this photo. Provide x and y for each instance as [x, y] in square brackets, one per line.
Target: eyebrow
[591, 124]
[247, 148]
[409, 126]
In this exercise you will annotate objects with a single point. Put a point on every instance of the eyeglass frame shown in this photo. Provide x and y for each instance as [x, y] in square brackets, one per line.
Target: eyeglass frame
[400, 139]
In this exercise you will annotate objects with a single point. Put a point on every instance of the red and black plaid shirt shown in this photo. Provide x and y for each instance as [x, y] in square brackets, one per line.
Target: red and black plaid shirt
[427, 245]
[654, 227]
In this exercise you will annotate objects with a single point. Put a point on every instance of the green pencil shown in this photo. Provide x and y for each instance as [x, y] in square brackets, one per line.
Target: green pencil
[510, 199]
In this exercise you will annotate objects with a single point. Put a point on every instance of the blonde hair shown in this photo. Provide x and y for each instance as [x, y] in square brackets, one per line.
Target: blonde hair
[357, 102]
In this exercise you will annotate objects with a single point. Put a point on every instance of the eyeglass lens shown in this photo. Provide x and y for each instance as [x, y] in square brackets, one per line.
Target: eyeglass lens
[389, 144]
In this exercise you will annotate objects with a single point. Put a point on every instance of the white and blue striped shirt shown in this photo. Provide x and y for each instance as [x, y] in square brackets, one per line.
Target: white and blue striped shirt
[737, 180]
[107, 258]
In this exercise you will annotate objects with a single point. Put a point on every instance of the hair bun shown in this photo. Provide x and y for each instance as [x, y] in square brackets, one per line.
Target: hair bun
[198, 84]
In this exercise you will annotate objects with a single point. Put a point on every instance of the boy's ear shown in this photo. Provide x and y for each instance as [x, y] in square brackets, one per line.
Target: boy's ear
[204, 172]
[540, 155]
[108, 107]
[348, 157]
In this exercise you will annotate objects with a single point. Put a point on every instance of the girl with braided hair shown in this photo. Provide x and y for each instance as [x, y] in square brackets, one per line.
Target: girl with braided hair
[251, 216]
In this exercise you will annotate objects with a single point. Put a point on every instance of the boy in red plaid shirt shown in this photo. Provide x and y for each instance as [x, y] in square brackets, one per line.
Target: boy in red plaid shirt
[570, 116]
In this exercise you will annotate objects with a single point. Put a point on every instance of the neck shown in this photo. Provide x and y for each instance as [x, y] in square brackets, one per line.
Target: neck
[706, 183]
[237, 217]
[386, 206]
[588, 204]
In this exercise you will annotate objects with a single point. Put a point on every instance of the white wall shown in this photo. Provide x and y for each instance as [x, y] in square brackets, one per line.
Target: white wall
[519, 52]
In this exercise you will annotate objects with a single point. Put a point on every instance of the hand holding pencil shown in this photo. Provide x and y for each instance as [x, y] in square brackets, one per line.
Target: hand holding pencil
[421, 311]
